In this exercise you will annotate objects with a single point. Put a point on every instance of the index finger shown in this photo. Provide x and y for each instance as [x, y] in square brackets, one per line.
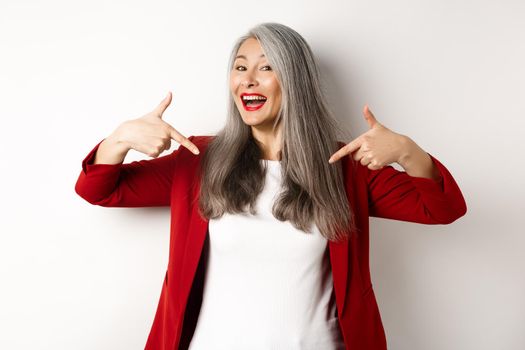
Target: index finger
[183, 141]
[347, 149]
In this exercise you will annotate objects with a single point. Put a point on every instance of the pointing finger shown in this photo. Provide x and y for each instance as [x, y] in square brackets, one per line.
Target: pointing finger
[183, 141]
[349, 148]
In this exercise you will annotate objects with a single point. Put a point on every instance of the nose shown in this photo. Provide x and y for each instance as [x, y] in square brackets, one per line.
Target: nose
[249, 83]
[249, 80]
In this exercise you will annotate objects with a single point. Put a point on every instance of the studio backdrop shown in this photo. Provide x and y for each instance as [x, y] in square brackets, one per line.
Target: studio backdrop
[448, 74]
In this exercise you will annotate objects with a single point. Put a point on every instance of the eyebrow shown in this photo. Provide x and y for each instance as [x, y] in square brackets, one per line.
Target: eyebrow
[242, 56]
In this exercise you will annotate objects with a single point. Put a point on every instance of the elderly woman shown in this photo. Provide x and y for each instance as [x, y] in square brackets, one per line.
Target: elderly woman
[269, 218]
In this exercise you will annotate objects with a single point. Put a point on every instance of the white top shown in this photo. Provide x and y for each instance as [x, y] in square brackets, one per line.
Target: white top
[267, 285]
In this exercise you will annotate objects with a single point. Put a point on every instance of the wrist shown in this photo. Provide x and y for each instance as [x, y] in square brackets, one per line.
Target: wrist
[407, 149]
[416, 161]
[116, 143]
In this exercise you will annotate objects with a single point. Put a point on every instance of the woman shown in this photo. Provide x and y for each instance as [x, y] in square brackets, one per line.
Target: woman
[269, 218]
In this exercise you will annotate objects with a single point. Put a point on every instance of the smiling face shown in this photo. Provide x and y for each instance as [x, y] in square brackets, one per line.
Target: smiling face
[254, 86]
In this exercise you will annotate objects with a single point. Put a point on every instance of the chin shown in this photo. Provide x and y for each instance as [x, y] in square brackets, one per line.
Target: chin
[258, 123]
[252, 121]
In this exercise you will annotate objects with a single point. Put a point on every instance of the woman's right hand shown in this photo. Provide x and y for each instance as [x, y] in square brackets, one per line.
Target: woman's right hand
[150, 134]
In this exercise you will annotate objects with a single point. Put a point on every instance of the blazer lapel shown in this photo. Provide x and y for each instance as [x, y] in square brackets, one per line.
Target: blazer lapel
[339, 262]
[198, 230]
[339, 251]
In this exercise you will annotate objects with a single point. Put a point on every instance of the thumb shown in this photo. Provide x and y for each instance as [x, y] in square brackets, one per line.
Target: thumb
[370, 119]
[163, 105]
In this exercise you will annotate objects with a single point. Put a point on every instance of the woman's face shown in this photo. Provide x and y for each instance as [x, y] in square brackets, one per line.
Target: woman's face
[254, 86]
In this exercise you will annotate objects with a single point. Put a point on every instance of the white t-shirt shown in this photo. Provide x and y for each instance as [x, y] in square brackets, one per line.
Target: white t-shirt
[267, 285]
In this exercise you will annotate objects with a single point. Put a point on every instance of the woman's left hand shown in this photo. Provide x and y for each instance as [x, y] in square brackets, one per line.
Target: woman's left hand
[377, 147]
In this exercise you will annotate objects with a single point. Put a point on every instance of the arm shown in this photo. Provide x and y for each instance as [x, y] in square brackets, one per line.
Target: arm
[144, 183]
[394, 194]
[425, 193]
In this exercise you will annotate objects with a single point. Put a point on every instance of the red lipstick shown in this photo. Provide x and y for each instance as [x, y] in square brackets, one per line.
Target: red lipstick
[253, 107]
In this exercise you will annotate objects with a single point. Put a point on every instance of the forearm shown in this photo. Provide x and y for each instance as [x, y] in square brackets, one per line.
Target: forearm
[416, 161]
[110, 151]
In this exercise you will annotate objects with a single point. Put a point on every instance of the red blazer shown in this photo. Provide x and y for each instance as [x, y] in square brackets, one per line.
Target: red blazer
[170, 180]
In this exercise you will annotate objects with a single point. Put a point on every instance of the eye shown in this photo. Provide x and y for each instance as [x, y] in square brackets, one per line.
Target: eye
[244, 68]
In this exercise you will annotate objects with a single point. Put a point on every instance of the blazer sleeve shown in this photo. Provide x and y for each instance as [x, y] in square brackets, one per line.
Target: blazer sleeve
[393, 194]
[143, 183]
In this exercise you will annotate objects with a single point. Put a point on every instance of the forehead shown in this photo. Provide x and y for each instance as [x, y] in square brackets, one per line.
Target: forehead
[250, 49]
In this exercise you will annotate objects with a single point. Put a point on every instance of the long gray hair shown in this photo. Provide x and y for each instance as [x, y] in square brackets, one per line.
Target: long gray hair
[232, 175]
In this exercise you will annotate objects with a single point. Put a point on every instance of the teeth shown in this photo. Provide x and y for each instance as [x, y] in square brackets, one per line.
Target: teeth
[248, 98]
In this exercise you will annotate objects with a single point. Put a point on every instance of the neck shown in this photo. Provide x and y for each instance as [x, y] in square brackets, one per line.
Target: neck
[269, 141]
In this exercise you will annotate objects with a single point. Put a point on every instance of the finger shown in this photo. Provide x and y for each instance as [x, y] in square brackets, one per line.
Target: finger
[370, 163]
[365, 159]
[163, 105]
[349, 148]
[183, 141]
[148, 145]
[370, 118]
[373, 166]
[359, 154]
[167, 145]
[157, 145]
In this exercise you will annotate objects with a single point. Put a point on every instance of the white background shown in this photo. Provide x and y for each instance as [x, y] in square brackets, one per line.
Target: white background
[449, 74]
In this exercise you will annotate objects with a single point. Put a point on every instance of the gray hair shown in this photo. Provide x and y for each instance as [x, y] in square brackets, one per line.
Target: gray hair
[232, 175]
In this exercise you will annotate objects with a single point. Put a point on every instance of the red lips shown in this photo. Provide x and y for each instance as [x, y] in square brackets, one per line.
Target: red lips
[251, 108]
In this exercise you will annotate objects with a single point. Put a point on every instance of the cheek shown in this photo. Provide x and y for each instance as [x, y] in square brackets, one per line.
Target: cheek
[276, 88]
[278, 102]
[234, 83]
[233, 92]
[278, 95]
